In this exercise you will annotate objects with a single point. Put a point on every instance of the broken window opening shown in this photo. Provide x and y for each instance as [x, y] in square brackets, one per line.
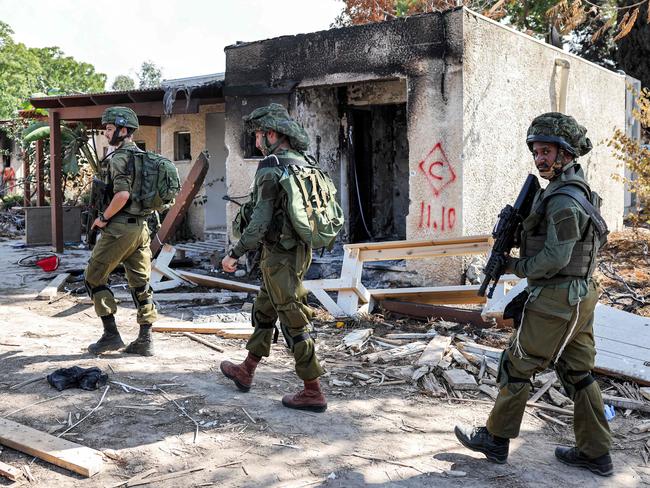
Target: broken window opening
[182, 146]
[378, 173]
[250, 149]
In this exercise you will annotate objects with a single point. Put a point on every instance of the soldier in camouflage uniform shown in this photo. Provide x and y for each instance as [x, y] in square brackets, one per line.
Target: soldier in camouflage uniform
[124, 239]
[560, 240]
[285, 260]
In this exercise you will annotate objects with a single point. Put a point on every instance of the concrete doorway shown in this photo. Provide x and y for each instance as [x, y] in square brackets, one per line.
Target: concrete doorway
[378, 173]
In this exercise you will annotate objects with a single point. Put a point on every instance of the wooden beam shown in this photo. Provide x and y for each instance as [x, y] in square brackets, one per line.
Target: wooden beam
[424, 252]
[65, 454]
[8, 471]
[374, 246]
[189, 189]
[438, 295]
[450, 314]
[52, 289]
[144, 109]
[214, 282]
[40, 174]
[27, 195]
[56, 193]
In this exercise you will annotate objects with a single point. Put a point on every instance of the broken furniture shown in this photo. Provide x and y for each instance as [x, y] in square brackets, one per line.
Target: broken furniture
[351, 291]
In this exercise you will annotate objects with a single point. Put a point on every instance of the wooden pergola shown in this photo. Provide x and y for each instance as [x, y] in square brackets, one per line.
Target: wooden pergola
[147, 104]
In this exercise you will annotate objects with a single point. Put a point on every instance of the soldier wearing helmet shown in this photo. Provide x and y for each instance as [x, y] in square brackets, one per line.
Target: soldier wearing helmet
[124, 240]
[559, 243]
[284, 261]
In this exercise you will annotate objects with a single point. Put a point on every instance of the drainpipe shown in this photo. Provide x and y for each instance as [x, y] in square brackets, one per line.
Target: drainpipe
[564, 66]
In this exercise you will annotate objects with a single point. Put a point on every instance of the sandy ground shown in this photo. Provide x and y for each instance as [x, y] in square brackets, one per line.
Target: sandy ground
[407, 436]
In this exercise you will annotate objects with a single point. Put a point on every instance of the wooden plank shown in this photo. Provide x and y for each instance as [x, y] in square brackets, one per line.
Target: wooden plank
[450, 314]
[544, 388]
[200, 340]
[434, 351]
[395, 353]
[189, 189]
[439, 295]
[65, 454]
[330, 305]
[459, 379]
[625, 403]
[8, 471]
[237, 334]
[211, 281]
[199, 328]
[181, 297]
[164, 259]
[370, 246]
[53, 287]
[424, 252]
[351, 271]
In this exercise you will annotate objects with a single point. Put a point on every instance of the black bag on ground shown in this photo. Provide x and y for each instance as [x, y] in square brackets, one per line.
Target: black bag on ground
[76, 377]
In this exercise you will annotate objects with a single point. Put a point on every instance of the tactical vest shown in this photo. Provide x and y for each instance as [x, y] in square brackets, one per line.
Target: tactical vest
[583, 258]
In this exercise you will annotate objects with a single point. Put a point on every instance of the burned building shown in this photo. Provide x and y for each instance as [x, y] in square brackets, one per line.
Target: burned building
[421, 121]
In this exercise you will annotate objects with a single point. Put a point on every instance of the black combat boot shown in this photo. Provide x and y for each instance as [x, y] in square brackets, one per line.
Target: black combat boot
[143, 345]
[602, 465]
[110, 339]
[480, 440]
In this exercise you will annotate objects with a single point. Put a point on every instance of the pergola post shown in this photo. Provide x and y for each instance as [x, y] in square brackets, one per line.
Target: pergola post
[26, 186]
[56, 194]
[40, 184]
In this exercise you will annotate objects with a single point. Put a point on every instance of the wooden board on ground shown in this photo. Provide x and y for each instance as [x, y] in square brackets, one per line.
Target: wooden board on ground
[201, 328]
[214, 282]
[434, 351]
[459, 379]
[53, 287]
[14, 474]
[63, 453]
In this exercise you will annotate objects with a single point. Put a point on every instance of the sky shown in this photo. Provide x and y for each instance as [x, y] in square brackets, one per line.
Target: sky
[184, 38]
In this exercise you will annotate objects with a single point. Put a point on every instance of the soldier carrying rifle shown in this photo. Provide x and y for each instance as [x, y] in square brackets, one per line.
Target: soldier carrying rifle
[559, 242]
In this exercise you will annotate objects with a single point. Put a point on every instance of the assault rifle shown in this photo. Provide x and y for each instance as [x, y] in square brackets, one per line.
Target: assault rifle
[99, 200]
[506, 233]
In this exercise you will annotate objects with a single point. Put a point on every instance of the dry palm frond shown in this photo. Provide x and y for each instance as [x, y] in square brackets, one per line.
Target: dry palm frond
[626, 24]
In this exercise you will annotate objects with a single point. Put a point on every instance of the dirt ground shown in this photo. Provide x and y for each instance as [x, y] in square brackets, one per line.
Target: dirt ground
[371, 435]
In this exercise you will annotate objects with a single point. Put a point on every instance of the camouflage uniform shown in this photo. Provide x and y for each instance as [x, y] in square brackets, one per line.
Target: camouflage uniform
[285, 257]
[124, 240]
[558, 257]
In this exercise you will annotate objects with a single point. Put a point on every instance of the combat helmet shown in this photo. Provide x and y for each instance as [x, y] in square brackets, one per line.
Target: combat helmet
[275, 117]
[120, 117]
[560, 129]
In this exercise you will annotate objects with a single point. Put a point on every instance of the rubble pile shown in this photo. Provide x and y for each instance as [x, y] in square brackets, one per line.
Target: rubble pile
[12, 223]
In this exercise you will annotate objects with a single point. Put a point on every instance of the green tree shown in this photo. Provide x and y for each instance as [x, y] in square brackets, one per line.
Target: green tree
[25, 71]
[150, 75]
[123, 83]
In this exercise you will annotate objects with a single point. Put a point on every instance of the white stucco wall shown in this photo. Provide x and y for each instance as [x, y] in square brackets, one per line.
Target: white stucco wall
[509, 78]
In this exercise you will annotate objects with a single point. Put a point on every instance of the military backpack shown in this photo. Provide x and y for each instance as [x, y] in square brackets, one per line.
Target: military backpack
[155, 180]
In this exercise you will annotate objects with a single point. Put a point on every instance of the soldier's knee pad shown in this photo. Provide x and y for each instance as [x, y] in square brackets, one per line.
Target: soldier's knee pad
[92, 291]
[292, 340]
[503, 375]
[573, 380]
[135, 295]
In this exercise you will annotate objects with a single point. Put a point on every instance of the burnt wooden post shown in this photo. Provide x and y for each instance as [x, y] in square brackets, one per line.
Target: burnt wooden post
[40, 183]
[26, 188]
[189, 189]
[56, 194]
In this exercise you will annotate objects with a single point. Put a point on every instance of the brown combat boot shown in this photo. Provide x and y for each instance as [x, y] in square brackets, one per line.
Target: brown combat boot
[311, 398]
[241, 374]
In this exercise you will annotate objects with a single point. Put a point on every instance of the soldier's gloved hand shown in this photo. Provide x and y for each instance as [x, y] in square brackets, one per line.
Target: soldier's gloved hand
[496, 264]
